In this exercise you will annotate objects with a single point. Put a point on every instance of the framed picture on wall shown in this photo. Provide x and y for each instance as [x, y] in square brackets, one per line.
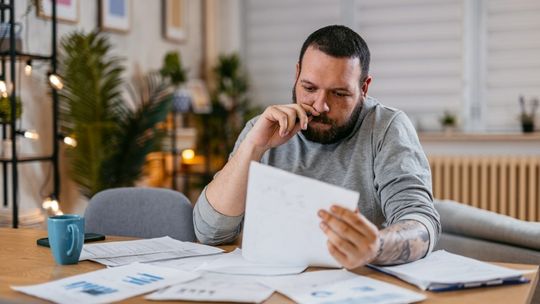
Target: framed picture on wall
[175, 15]
[66, 10]
[114, 15]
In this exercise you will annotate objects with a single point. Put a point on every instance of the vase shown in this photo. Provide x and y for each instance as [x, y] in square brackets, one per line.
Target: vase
[527, 127]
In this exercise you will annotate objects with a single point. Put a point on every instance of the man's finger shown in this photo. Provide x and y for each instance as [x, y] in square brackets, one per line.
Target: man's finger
[342, 228]
[357, 220]
[343, 244]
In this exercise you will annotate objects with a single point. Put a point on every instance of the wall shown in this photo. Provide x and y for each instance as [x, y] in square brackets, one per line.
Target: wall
[143, 47]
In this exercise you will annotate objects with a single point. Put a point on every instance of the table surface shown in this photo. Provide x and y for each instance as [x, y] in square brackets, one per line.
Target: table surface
[22, 262]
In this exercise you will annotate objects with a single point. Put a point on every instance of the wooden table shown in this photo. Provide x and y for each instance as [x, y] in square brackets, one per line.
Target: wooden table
[22, 262]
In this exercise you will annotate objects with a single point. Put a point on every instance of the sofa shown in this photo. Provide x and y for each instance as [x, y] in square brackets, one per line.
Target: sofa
[488, 236]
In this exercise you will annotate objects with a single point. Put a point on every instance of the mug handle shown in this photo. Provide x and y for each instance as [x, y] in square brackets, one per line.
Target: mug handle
[74, 238]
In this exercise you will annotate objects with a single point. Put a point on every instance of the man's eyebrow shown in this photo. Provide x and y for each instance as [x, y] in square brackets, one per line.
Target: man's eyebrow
[303, 81]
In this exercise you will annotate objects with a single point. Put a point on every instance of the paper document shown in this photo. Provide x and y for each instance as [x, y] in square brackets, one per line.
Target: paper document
[216, 288]
[188, 264]
[108, 285]
[234, 263]
[339, 286]
[125, 252]
[281, 223]
[442, 270]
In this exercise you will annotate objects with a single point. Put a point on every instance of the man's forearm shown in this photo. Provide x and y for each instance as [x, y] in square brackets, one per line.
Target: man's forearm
[227, 192]
[402, 242]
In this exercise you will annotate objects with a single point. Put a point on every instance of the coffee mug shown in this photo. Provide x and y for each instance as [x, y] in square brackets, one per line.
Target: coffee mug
[66, 237]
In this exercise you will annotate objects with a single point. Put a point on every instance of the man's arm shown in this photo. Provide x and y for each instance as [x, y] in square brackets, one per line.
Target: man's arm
[354, 241]
[402, 242]
[219, 210]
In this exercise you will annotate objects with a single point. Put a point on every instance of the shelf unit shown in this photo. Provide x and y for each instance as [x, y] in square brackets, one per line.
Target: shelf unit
[177, 172]
[8, 60]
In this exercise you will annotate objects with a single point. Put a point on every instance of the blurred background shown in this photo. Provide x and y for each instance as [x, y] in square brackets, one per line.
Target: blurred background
[154, 93]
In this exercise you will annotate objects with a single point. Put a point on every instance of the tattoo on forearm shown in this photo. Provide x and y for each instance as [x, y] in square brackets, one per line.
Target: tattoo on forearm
[402, 242]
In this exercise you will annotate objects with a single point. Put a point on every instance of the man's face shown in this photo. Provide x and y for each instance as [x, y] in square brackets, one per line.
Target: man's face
[332, 86]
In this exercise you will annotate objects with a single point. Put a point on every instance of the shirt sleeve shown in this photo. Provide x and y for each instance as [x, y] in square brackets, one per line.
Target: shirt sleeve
[403, 178]
[212, 227]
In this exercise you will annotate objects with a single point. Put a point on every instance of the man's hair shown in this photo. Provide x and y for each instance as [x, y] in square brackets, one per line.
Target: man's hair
[341, 42]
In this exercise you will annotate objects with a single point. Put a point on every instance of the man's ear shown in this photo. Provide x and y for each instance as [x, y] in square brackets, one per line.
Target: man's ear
[365, 86]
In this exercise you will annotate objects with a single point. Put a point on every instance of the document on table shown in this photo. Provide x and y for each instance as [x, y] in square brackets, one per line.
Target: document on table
[235, 263]
[108, 285]
[216, 288]
[188, 264]
[442, 271]
[126, 252]
[281, 223]
[339, 286]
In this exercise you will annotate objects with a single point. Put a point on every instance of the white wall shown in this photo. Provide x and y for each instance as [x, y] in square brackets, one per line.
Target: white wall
[143, 46]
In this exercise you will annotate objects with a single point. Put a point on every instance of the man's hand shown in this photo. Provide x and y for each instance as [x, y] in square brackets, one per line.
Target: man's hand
[352, 239]
[278, 124]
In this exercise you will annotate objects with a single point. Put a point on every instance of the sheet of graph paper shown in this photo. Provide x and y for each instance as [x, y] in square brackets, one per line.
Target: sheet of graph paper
[108, 285]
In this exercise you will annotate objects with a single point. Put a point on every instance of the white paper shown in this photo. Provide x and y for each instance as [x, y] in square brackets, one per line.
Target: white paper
[145, 258]
[441, 267]
[339, 286]
[218, 288]
[108, 285]
[188, 264]
[125, 252]
[281, 222]
[234, 263]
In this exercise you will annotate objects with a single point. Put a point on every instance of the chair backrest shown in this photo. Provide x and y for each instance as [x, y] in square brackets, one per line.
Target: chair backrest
[141, 212]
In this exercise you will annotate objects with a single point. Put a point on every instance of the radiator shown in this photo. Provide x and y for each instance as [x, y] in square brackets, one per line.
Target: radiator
[504, 184]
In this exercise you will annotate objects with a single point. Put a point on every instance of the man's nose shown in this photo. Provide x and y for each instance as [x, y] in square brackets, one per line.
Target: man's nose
[320, 103]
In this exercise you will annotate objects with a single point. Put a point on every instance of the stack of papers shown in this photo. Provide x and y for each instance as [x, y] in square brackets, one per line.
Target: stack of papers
[339, 286]
[108, 285]
[441, 271]
[148, 250]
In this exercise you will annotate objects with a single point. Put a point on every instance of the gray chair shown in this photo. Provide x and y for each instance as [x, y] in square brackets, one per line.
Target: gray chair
[488, 236]
[141, 212]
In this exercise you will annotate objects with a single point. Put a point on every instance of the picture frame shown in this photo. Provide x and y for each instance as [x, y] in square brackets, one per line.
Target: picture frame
[115, 15]
[175, 20]
[66, 10]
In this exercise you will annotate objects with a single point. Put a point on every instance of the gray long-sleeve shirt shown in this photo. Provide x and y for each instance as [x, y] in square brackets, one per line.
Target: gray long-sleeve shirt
[382, 159]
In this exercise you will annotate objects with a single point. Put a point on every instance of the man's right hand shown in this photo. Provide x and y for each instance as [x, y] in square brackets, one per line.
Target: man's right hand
[277, 124]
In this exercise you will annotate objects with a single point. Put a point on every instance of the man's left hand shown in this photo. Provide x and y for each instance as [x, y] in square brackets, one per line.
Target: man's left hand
[352, 239]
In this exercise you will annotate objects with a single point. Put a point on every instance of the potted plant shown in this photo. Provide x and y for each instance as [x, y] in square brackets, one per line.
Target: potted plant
[448, 121]
[527, 118]
[115, 131]
[174, 71]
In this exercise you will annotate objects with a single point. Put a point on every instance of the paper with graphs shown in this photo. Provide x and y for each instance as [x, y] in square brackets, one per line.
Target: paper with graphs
[281, 222]
[108, 285]
[339, 286]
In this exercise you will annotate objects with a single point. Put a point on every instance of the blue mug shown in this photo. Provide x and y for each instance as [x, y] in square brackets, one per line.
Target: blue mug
[66, 237]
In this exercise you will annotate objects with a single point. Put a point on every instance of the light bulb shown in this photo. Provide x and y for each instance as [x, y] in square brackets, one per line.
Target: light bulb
[31, 134]
[70, 141]
[188, 154]
[3, 89]
[28, 68]
[56, 82]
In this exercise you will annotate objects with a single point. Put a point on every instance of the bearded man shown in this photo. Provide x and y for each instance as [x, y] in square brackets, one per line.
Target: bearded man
[334, 132]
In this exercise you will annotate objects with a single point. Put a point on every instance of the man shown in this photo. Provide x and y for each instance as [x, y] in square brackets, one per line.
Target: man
[335, 133]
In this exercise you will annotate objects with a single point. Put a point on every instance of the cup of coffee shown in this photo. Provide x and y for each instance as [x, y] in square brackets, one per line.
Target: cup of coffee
[66, 237]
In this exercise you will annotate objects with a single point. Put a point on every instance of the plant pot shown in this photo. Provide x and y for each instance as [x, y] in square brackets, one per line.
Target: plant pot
[527, 127]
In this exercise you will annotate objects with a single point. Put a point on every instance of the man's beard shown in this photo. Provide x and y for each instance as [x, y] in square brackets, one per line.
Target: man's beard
[336, 132]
